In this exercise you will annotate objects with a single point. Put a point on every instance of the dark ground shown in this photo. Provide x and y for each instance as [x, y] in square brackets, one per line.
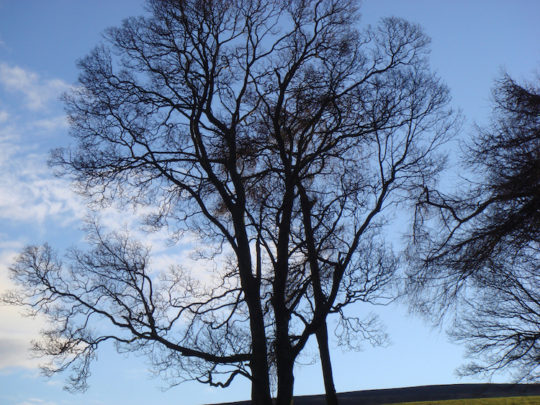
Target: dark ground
[422, 393]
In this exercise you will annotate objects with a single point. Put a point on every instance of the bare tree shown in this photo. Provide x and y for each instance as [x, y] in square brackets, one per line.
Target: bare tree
[110, 294]
[484, 254]
[275, 131]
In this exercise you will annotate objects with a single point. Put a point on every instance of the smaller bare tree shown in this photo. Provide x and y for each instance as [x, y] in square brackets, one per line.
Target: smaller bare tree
[483, 254]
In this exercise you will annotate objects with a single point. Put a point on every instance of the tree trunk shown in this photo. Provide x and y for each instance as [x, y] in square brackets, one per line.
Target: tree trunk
[284, 358]
[260, 384]
[285, 379]
[326, 365]
[284, 353]
[260, 371]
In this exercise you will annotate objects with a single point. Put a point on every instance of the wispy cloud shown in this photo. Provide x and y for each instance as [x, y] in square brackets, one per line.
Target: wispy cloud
[29, 195]
[29, 192]
[14, 353]
[36, 401]
[32, 198]
[17, 331]
[51, 124]
[36, 91]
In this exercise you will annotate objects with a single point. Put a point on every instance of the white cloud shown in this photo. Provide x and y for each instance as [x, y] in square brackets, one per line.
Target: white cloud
[31, 195]
[8, 145]
[14, 353]
[17, 331]
[50, 124]
[29, 192]
[36, 401]
[36, 91]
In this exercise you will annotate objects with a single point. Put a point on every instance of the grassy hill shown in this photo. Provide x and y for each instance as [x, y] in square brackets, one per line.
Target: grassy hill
[526, 400]
[431, 395]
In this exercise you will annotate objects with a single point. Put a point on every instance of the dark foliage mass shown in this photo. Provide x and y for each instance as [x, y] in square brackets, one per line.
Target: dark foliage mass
[278, 134]
[487, 259]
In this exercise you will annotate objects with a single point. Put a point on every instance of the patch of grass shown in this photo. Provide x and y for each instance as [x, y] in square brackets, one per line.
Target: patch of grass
[533, 400]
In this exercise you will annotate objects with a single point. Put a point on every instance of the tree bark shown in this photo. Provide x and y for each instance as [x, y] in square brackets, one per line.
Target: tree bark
[326, 364]
[260, 385]
[285, 378]
[260, 372]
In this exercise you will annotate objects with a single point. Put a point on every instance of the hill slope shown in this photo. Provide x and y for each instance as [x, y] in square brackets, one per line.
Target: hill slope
[421, 393]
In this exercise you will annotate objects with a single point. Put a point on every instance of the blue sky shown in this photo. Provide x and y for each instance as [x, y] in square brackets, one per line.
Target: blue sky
[472, 42]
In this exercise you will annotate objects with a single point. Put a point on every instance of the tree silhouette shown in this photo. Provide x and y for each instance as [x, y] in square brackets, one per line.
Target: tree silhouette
[277, 133]
[485, 254]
